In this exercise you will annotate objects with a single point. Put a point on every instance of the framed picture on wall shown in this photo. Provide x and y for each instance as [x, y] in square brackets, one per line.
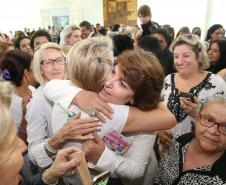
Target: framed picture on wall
[60, 21]
[120, 12]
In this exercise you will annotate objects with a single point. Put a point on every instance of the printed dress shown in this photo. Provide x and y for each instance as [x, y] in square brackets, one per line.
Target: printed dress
[212, 84]
[171, 168]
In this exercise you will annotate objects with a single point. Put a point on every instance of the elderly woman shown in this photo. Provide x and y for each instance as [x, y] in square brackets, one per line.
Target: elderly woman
[48, 64]
[190, 60]
[69, 36]
[12, 148]
[199, 157]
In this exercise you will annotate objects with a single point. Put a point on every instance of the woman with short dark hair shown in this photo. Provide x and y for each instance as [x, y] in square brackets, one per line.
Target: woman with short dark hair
[215, 32]
[148, 26]
[23, 43]
[39, 37]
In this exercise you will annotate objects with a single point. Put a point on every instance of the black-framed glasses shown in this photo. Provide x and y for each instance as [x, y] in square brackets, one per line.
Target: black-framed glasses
[208, 121]
[50, 62]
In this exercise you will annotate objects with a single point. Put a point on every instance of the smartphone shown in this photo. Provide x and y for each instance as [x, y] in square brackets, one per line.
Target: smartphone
[188, 96]
[102, 178]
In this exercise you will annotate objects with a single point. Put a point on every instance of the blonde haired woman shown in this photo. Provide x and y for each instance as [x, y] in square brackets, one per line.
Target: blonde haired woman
[12, 148]
[48, 64]
[44, 66]
[69, 36]
[89, 63]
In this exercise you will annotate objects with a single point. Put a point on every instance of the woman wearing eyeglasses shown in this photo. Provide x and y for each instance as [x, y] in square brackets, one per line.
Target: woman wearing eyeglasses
[48, 64]
[199, 157]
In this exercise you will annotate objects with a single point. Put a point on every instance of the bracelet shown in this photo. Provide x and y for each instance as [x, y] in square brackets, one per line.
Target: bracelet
[49, 148]
[45, 180]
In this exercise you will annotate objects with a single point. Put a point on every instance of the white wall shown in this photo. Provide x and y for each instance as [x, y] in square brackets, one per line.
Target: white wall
[217, 12]
[78, 10]
[178, 13]
[17, 14]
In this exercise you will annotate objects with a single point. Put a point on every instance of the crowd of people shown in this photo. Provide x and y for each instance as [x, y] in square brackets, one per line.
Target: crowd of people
[144, 103]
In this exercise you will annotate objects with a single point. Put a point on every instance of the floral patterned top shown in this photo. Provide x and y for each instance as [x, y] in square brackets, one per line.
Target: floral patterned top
[212, 84]
[171, 168]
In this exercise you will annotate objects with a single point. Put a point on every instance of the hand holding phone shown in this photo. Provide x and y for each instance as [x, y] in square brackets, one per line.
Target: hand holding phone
[101, 179]
[188, 96]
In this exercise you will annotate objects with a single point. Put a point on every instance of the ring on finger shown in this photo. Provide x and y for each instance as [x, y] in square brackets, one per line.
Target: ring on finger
[92, 111]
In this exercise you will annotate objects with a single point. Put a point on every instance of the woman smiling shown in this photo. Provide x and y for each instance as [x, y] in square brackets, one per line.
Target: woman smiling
[190, 60]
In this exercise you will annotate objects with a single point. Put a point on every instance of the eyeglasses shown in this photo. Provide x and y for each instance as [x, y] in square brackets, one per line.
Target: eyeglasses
[50, 62]
[208, 121]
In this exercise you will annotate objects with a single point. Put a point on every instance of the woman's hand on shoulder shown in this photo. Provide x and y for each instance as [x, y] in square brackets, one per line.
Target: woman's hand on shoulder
[87, 100]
